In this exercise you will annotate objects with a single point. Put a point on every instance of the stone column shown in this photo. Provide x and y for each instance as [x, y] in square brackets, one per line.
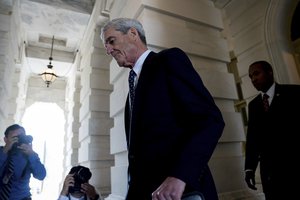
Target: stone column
[72, 107]
[88, 119]
[94, 117]
[12, 76]
[6, 60]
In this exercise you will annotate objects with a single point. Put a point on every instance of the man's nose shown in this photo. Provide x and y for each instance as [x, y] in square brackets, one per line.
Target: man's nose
[109, 49]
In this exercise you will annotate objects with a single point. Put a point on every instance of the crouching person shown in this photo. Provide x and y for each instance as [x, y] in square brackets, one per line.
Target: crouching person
[76, 185]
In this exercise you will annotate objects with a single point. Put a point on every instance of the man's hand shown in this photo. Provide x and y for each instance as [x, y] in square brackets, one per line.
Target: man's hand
[250, 179]
[171, 188]
[26, 149]
[89, 190]
[69, 181]
[9, 142]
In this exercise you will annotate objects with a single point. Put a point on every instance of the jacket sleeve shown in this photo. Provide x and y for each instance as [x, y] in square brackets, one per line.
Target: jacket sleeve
[37, 168]
[197, 113]
[252, 147]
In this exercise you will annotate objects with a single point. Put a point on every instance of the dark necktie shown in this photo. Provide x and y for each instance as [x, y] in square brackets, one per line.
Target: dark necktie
[7, 181]
[266, 102]
[131, 77]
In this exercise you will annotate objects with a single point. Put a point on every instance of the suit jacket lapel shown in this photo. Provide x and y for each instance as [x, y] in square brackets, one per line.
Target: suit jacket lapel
[139, 90]
[276, 96]
[143, 81]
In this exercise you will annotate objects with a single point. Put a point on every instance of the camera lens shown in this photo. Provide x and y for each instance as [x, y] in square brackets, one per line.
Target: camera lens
[81, 175]
[25, 139]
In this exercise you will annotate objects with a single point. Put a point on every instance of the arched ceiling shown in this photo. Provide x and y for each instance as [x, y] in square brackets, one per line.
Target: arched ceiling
[66, 20]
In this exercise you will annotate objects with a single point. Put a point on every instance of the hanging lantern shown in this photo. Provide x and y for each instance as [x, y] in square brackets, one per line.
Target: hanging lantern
[49, 75]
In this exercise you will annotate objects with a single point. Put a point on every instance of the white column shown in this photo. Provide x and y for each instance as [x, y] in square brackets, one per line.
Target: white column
[11, 72]
[94, 117]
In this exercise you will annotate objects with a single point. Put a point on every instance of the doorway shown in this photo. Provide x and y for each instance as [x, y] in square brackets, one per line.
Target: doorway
[45, 122]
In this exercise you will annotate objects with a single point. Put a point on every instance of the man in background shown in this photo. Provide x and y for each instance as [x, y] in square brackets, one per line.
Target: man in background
[272, 135]
[17, 163]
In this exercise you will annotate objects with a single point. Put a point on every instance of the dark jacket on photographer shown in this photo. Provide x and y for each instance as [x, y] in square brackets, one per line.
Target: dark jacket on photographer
[25, 165]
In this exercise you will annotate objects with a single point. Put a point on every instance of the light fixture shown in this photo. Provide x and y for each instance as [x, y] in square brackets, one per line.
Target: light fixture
[49, 75]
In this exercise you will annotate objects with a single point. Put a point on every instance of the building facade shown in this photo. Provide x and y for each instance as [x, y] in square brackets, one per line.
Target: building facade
[221, 38]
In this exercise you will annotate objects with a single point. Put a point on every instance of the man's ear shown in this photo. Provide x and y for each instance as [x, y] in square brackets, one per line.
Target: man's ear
[133, 32]
[5, 139]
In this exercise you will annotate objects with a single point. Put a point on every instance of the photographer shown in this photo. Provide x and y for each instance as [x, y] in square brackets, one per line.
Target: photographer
[76, 185]
[17, 162]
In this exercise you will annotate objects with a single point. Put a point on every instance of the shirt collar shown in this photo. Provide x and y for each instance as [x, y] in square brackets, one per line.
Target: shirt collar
[271, 91]
[137, 68]
[75, 198]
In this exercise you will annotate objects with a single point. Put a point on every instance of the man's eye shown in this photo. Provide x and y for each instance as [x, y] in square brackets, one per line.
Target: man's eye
[111, 41]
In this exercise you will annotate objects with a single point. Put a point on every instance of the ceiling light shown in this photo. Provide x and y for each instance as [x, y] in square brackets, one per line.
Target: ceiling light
[49, 75]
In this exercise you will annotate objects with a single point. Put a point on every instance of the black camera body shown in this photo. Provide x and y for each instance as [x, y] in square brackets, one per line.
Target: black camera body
[81, 175]
[23, 139]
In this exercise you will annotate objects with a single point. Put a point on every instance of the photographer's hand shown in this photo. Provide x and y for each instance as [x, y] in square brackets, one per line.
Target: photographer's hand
[69, 181]
[26, 149]
[89, 190]
[9, 142]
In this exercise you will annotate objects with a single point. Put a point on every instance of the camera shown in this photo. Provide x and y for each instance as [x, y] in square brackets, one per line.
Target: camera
[81, 175]
[23, 139]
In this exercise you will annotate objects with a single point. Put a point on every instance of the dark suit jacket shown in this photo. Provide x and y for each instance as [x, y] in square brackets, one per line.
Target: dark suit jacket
[175, 127]
[272, 139]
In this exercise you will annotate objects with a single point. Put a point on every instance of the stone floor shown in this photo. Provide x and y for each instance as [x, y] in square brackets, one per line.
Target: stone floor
[244, 195]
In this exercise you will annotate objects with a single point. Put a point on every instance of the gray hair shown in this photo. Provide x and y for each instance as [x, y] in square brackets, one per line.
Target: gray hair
[123, 25]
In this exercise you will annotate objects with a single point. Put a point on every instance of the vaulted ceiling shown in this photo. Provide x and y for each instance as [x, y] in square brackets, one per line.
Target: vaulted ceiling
[65, 20]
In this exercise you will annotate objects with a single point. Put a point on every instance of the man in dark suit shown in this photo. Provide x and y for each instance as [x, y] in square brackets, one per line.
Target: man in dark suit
[272, 135]
[172, 123]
